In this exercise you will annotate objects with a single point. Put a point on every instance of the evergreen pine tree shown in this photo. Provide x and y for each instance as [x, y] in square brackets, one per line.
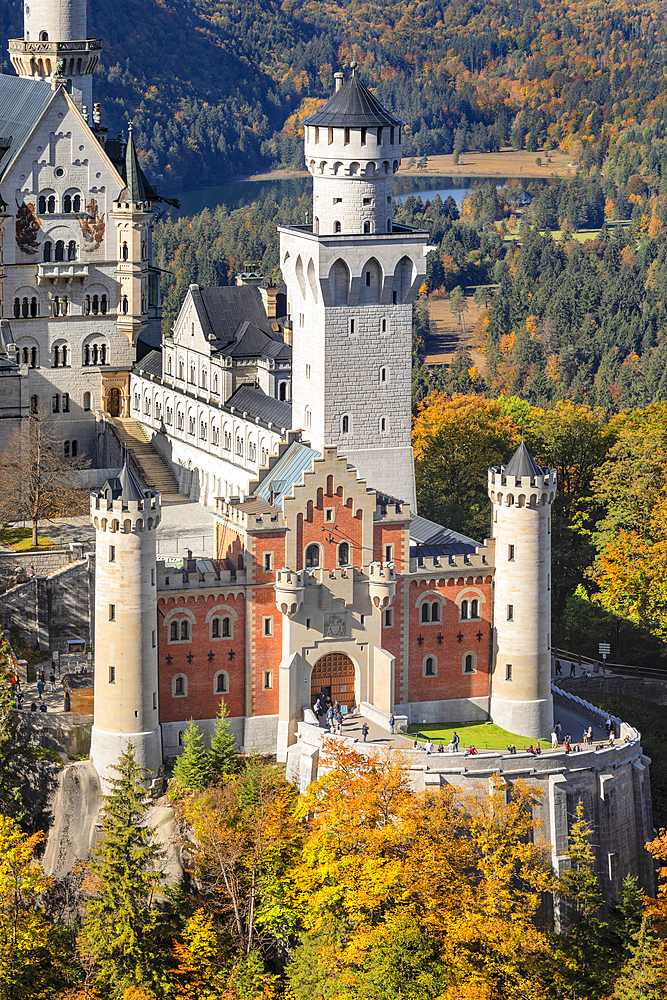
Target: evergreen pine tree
[192, 769]
[222, 755]
[642, 977]
[119, 930]
[583, 957]
[629, 912]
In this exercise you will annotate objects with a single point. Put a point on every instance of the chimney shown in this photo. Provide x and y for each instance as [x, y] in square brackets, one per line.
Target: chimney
[269, 296]
[339, 77]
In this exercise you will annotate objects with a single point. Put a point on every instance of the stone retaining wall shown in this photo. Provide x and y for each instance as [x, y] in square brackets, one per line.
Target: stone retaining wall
[43, 563]
[630, 687]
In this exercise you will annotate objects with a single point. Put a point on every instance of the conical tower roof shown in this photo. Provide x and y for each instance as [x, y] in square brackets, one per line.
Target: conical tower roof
[353, 106]
[522, 464]
[126, 487]
[137, 188]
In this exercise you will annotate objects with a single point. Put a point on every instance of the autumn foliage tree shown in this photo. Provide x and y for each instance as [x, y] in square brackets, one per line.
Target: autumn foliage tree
[36, 483]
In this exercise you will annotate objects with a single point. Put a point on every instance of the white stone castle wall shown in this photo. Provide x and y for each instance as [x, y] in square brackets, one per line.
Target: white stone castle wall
[204, 470]
[63, 20]
[63, 142]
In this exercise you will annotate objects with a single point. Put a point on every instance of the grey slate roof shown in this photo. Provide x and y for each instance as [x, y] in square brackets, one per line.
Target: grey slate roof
[288, 470]
[430, 539]
[125, 487]
[235, 323]
[522, 464]
[150, 364]
[353, 106]
[22, 103]
[256, 403]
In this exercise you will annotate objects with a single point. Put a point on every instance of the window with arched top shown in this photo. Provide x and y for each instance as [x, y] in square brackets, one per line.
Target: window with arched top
[474, 609]
[464, 609]
[431, 611]
[312, 559]
[185, 629]
[60, 250]
[47, 251]
[41, 205]
[344, 554]
[179, 686]
[67, 203]
[72, 250]
[221, 682]
[345, 424]
[469, 663]
[337, 227]
[430, 666]
[51, 204]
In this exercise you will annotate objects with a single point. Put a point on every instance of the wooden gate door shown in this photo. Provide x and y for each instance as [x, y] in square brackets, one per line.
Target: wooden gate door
[333, 673]
[113, 404]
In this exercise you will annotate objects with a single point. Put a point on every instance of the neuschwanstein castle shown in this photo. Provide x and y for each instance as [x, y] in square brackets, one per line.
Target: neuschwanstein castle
[287, 412]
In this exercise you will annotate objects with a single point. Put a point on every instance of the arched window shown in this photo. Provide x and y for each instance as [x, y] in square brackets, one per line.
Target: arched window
[345, 424]
[226, 628]
[429, 666]
[474, 609]
[312, 557]
[95, 305]
[56, 357]
[51, 204]
[185, 630]
[34, 404]
[71, 250]
[343, 554]
[48, 249]
[124, 251]
[67, 203]
[464, 609]
[180, 686]
[25, 310]
[41, 205]
[215, 628]
[337, 227]
[126, 304]
[43, 36]
[33, 306]
[425, 612]
[17, 308]
[221, 683]
[383, 374]
[86, 400]
[76, 203]
[469, 663]
[367, 227]
[173, 631]
[33, 357]
[25, 355]
[282, 391]
[435, 612]
[383, 424]
[103, 304]
[66, 449]
[60, 250]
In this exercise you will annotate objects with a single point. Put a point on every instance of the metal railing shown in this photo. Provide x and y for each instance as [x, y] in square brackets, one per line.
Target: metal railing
[624, 669]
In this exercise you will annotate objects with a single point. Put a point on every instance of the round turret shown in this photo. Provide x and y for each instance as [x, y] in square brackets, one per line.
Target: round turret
[126, 676]
[382, 584]
[55, 20]
[522, 494]
[352, 148]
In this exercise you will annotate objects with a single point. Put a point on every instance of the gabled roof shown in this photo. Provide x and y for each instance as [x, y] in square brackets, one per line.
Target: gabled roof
[522, 464]
[22, 103]
[256, 403]
[234, 321]
[430, 539]
[353, 106]
[286, 473]
[137, 188]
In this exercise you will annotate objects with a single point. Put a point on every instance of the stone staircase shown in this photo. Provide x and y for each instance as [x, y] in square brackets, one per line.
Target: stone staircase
[152, 467]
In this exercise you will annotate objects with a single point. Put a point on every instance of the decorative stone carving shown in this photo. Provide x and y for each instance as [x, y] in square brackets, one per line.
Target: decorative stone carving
[335, 626]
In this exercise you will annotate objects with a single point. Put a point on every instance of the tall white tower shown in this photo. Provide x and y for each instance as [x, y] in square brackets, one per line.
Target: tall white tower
[522, 494]
[351, 277]
[55, 32]
[126, 675]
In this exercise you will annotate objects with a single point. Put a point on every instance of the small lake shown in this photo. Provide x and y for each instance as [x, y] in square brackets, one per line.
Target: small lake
[235, 194]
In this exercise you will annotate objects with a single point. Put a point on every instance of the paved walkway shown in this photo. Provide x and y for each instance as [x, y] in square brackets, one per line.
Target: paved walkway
[183, 526]
[54, 700]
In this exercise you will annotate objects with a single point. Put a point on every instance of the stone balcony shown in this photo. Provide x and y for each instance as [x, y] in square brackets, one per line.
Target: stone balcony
[66, 271]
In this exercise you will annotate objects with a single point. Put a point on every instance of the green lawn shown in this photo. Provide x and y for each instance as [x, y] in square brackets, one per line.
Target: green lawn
[483, 735]
[20, 539]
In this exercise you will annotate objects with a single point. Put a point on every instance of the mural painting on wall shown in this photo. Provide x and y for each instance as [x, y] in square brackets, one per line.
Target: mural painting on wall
[92, 227]
[27, 228]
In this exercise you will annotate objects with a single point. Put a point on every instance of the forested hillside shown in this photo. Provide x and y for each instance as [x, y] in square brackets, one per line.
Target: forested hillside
[215, 89]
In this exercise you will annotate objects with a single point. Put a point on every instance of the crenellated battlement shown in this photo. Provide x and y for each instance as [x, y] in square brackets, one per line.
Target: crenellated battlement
[120, 515]
[498, 478]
